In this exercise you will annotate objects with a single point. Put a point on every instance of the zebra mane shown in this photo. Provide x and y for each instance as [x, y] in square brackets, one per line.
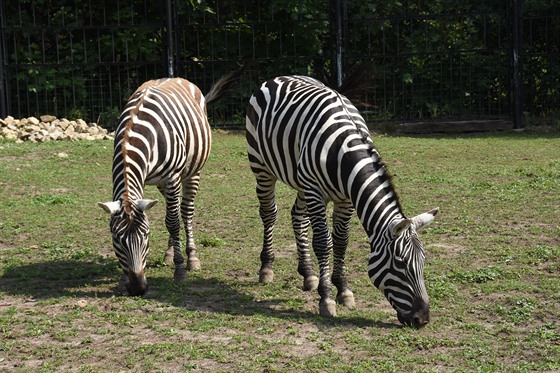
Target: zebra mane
[127, 203]
[386, 176]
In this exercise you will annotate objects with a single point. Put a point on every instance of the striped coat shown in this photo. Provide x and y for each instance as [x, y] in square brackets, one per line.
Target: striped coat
[313, 139]
[163, 139]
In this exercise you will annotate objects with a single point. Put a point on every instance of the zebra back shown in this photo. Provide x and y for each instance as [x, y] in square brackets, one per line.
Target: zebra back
[309, 135]
[163, 133]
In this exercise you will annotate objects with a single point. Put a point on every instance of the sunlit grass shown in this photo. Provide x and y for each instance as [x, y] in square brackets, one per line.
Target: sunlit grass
[491, 268]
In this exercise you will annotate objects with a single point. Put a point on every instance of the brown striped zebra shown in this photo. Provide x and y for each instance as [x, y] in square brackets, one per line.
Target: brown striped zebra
[163, 139]
[313, 139]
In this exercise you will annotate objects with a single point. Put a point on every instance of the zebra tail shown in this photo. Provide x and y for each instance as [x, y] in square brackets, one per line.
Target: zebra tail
[359, 81]
[225, 85]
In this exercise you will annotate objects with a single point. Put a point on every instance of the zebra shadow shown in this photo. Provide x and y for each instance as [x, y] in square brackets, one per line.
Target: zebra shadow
[99, 279]
[59, 278]
[213, 295]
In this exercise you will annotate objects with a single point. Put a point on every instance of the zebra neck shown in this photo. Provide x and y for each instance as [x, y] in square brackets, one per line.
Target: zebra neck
[127, 190]
[129, 173]
[374, 199]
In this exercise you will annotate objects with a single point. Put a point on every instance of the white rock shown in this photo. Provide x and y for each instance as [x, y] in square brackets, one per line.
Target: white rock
[47, 118]
[54, 135]
[61, 124]
[11, 136]
[33, 120]
[50, 128]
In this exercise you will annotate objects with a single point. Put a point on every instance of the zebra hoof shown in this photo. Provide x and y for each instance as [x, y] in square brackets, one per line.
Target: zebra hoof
[266, 275]
[180, 275]
[327, 308]
[193, 264]
[310, 283]
[346, 298]
[168, 257]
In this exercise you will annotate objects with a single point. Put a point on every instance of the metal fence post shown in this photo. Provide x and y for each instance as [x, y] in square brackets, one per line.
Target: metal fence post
[517, 51]
[337, 13]
[3, 90]
[169, 23]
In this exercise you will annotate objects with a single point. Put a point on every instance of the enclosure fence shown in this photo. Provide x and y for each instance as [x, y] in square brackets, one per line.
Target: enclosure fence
[423, 61]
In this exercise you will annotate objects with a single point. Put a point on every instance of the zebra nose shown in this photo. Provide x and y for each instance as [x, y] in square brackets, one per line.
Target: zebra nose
[137, 284]
[420, 314]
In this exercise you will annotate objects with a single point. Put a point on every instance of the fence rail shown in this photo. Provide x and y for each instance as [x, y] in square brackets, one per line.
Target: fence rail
[70, 58]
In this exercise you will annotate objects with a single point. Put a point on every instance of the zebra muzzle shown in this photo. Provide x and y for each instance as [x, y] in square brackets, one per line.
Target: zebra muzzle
[418, 317]
[137, 285]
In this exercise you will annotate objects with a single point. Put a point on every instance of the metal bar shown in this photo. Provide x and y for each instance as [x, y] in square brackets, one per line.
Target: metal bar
[3, 85]
[517, 37]
[338, 33]
[169, 46]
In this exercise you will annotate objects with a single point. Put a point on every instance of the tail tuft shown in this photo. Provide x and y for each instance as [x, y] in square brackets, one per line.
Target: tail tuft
[224, 85]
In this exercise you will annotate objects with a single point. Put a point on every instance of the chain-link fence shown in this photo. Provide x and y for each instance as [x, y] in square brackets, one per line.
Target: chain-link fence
[423, 60]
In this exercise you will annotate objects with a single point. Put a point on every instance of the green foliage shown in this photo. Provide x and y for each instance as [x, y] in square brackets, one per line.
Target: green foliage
[65, 55]
[432, 59]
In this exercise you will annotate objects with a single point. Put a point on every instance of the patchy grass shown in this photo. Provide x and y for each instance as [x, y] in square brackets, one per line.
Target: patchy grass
[492, 268]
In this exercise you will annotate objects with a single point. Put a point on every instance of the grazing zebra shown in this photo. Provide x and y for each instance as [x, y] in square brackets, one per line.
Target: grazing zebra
[313, 139]
[163, 139]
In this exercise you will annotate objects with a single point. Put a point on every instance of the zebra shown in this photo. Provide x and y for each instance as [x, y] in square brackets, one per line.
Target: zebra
[163, 139]
[313, 139]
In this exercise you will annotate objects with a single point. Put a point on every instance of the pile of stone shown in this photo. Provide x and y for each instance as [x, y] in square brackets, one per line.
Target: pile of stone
[49, 128]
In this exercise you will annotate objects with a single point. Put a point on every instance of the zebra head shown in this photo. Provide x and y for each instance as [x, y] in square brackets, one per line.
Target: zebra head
[130, 229]
[397, 269]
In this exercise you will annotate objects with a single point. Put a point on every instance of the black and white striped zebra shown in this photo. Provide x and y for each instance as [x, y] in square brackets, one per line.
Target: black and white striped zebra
[313, 139]
[163, 139]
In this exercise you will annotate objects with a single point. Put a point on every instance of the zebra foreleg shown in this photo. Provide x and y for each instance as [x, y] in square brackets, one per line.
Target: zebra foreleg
[172, 222]
[268, 212]
[341, 221]
[300, 224]
[190, 188]
[322, 246]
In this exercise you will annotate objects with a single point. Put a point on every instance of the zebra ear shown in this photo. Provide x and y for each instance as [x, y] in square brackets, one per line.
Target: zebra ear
[396, 228]
[424, 219]
[145, 204]
[110, 207]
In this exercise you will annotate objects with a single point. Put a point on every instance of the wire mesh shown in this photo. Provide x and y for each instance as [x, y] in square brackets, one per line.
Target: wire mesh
[73, 58]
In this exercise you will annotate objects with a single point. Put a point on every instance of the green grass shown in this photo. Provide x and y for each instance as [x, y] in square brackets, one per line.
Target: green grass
[492, 268]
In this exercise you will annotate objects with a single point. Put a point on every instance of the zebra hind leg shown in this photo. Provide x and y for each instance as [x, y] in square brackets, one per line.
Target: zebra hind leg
[300, 225]
[268, 212]
[190, 188]
[342, 214]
